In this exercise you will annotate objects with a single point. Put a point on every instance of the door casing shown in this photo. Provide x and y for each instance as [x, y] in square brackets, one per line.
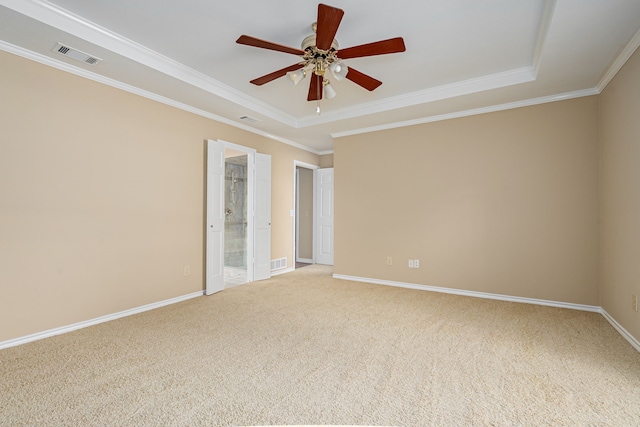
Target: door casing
[214, 275]
[295, 243]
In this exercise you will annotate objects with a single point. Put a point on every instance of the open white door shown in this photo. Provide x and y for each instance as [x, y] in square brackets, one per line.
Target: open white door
[263, 217]
[324, 216]
[215, 218]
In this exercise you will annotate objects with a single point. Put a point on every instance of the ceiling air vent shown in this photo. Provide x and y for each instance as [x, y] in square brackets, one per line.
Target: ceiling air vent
[249, 119]
[75, 54]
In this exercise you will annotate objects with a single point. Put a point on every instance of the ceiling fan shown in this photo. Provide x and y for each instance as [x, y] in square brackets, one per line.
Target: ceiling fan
[320, 53]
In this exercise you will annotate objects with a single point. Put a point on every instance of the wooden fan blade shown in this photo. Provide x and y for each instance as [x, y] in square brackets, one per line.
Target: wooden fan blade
[362, 79]
[327, 26]
[276, 74]
[252, 41]
[315, 88]
[382, 47]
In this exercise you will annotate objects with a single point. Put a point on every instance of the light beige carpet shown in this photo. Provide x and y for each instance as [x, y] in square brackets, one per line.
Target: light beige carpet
[303, 348]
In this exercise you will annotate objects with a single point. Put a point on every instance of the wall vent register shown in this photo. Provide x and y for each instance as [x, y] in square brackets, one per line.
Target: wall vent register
[75, 54]
[277, 264]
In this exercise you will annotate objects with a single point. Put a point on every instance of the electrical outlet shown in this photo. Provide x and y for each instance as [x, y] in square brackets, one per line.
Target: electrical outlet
[416, 263]
[410, 263]
[634, 302]
[187, 270]
[389, 260]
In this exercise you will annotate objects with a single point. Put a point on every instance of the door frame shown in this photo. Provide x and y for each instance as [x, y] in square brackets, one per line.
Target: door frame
[250, 152]
[296, 164]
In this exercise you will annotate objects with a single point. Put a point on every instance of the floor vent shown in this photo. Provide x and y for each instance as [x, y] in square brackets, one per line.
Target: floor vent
[277, 264]
[75, 54]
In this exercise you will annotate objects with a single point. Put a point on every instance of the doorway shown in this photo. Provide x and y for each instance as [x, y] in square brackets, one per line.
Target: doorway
[236, 218]
[304, 217]
[318, 212]
[238, 236]
[304, 214]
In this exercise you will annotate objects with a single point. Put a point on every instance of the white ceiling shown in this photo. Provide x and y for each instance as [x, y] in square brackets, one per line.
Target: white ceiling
[463, 56]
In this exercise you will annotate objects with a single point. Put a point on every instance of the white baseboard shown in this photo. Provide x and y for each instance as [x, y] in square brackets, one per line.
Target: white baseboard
[64, 329]
[622, 331]
[282, 271]
[475, 294]
[305, 260]
[592, 308]
[97, 320]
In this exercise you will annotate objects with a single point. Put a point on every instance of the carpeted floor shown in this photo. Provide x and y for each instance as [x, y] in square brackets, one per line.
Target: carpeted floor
[304, 348]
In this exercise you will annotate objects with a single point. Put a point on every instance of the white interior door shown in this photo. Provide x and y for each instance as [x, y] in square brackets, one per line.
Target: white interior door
[214, 281]
[297, 215]
[262, 217]
[324, 216]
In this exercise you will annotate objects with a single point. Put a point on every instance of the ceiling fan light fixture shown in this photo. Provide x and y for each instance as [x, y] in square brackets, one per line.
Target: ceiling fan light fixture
[296, 76]
[328, 90]
[322, 58]
[339, 70]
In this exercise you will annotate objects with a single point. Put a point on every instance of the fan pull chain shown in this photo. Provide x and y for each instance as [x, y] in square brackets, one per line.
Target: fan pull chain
[318, 108]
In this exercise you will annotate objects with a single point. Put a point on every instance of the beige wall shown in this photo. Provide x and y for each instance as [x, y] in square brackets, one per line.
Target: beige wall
[305, 213]
[503, 203]
[102, 198]
[620, 195]
[326, 161]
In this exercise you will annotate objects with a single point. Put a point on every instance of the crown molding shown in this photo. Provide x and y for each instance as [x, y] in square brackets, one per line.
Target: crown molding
[81, 72]
[322, 153]
[472, 112]
[64, 20]
[59, 18]
[607, 76]
[543, 33]
[620, 60]
[465, 87]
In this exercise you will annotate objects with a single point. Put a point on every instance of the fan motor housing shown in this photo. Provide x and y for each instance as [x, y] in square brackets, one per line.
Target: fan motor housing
[310, 41]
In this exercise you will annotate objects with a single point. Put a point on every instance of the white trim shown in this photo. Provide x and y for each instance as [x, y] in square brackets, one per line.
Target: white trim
[466, 87]
[54, 63]
[485, 295]
[237, 147]
[625, 334]
[69, 328]
[67, 21]
[305, 260]
[617, 64]
[581, 307]
[251, 203]
[283, 271]
[62, 19]
[305, 165]
[296, 210]
[473, 112]
[296, 164]
[543, 33]
[97, 320]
